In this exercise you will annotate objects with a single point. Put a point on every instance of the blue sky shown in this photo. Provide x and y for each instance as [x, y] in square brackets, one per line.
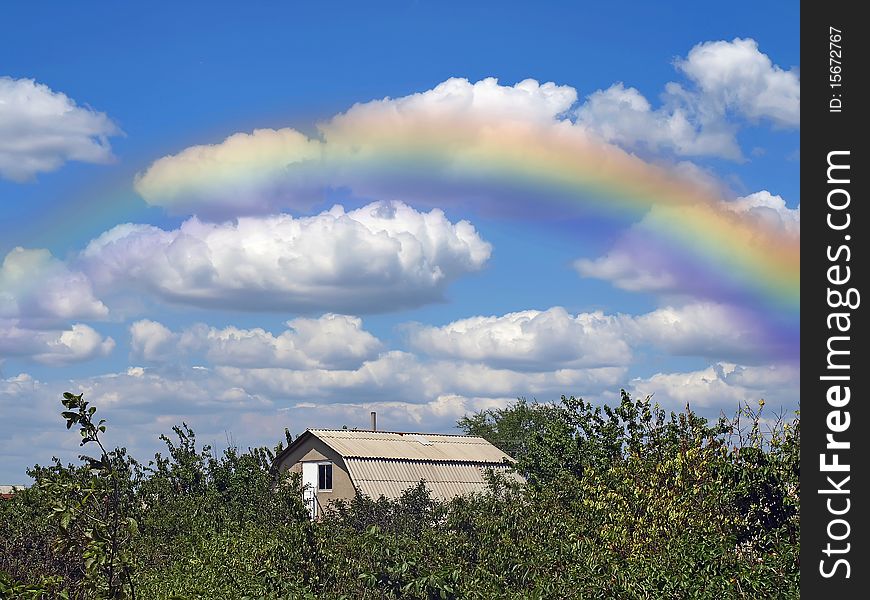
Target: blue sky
[115, 88]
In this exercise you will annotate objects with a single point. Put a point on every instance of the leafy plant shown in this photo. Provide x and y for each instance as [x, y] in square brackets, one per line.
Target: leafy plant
[92, 515]
[623, 501]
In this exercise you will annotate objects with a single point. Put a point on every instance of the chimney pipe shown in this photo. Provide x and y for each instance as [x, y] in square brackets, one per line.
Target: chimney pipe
[374, 421]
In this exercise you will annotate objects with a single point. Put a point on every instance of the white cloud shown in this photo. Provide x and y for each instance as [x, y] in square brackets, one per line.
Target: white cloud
[643, 260]
[252, 406]
[476, 106]
[622, 269]
[554, 339]
[384, 256]
[362, 149]
[400, 375]
[41, 129]
[53, 347]
[723, 386]
[35, 285]
[729, 83]
[245, 171]
[151, 341]
[74, 345]
[27, 426]
[456, 123]
[736, 76]
[624, 116]
[188, 389]
[530, 339]
[141, 404]
[769, 209]
[709, 330]
[38, 296]
[328, 342]
[440, 414]
[225, 173]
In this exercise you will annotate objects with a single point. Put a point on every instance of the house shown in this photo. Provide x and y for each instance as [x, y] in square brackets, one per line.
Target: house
[336, 463]
[7, 491]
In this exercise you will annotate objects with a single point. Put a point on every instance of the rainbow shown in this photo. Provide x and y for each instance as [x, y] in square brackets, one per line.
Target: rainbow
[552, 164]
[754, 260]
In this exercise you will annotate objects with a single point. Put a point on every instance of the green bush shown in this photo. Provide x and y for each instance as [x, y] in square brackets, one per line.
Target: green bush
[621, 502]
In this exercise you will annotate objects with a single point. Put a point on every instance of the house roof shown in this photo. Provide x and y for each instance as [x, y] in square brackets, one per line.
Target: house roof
[386, 463]
[410, 446]
[7, 491]
[445, 480]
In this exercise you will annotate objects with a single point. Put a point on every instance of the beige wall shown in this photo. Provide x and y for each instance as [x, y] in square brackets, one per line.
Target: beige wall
[315, 450]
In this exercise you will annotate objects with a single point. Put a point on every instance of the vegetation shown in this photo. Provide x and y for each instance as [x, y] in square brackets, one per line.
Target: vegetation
[621, 502]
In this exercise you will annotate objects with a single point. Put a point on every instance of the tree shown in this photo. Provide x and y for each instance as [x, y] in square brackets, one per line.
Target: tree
[92, 513]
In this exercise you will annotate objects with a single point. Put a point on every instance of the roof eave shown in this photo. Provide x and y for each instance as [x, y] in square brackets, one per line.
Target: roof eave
[291, 446]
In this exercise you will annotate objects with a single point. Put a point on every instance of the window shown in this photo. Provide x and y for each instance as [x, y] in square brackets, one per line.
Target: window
[324, 476]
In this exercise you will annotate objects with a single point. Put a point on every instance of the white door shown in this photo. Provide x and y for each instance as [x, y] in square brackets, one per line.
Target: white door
[309, 487]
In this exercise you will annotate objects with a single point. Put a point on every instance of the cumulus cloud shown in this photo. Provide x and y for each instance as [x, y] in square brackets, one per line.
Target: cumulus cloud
[624, 116]
[723, 386]
[475, 105]
[75, 345]
[644, 260]
[151, 341]
[35, 285]
[464, 142]
[225, 174]
[253, 405]
[705, 329]
[771, 210]
[53, 347]
[328, 342]
[736, 76]
[270, 170]
[39, 295]
[528, 339]
[377, 148]
[622, 269]
[384, 256]
[440, 414]
[401, 375]
[554, 339]
[140, 404]
[642, 263]
[729, 83]
[41, 129]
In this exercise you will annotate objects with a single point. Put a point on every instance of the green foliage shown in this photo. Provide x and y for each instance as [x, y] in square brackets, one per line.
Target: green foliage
[621, 502]
[80, 519]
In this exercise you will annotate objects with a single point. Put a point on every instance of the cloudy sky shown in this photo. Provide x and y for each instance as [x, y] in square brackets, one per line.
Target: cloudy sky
[256, 217]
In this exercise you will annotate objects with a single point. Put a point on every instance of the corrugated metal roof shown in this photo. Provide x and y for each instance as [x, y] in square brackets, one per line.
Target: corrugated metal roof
[410, 446]
[7, 491]
[389, 478]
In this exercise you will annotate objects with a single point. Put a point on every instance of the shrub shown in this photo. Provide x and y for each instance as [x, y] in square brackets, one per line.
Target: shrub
[625, 501]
